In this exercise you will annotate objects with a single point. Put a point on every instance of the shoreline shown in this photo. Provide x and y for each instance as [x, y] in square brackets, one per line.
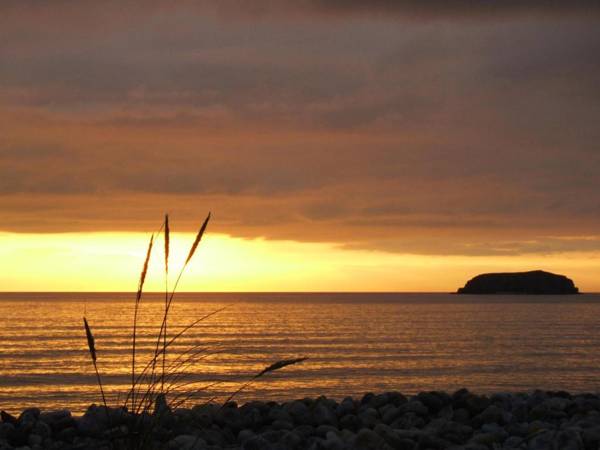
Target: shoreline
[462, 420]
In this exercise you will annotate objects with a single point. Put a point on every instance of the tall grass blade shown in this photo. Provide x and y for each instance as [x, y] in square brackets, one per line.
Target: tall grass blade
[198, 238]
[92, 349]
[272, 368]
[90, 340]
[168, 303]
[167, 241]
[280, 365]
[138, 298]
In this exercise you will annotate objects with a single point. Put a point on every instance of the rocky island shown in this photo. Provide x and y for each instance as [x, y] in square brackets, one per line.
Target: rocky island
[536, 282]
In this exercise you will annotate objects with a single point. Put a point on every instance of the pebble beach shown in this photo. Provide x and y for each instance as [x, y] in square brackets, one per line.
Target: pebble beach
[462, 420]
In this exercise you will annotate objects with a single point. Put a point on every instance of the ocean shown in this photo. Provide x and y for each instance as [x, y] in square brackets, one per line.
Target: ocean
[355, 343]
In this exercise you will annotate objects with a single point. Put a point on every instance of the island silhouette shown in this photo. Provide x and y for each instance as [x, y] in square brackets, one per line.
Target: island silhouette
[535, 282]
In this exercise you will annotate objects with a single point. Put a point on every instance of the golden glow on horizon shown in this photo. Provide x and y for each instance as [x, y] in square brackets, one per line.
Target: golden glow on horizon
[112, 262]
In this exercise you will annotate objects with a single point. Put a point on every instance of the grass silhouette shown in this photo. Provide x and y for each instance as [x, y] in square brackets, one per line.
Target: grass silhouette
[158, 385]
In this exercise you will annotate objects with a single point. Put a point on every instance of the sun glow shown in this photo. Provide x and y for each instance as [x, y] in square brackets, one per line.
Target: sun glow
[112, 262]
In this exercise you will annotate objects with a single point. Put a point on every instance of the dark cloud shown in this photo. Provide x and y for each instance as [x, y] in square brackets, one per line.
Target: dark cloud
[406, 8]
[444, 136]
[538, 245]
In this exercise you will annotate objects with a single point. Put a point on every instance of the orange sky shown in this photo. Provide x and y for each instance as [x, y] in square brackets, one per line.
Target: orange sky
[340, 145]
[112, 261]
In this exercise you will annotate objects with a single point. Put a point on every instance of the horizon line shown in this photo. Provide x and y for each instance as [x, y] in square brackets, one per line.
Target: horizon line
[266, 292]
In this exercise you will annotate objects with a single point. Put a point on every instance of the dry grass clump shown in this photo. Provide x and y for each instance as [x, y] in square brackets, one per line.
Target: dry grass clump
[158, 378]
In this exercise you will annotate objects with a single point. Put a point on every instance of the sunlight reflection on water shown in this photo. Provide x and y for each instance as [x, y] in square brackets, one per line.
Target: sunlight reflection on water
[356, 343]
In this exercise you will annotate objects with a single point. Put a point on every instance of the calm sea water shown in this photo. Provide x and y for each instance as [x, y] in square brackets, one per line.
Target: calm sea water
[356, 343]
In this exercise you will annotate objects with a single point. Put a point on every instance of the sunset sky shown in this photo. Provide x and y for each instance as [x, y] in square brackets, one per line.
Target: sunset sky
[340, 145]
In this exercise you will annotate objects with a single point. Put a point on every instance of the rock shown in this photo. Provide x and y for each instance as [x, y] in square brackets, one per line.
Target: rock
[5, 428]
[187, 442]
[369, 418]
[476, 404]
[368, 440]
[513, 442]
[461, 415]
[533, 282]
[273, 436]
[34, 440]
[300, 413]
[230, 417]
[503, 400]
[492, 414]
[539, 412]
[204, 414]
[431, 400]
[244, 435]
[412, 434]
[431, 441]
[256, 443]
[396, 398]
[333, 442]
[408, 420]
[282, 425]
[472, 447]
[322, 415]
[346, 407]
[58, 420]
[414, 406]
[557, 403]
[488, 439]
[367, 398]
[520, 412]
[161, 407]
[94, 422]
[379, 400]
[278, 413]
[347, 436]
[537, 426]
[350, 422]
[28, 418]
[42, 429]
[390, 414]
[252, 418]
[517, 429]
[16, 437]
[543, 440]
[291, 440]
[591, 437]
[67, 435]
[8, 418]
[305, 430]
[322, 430]
[587, 403]
[569, 440]
[392, 438]
[447, 412]
[455, 432]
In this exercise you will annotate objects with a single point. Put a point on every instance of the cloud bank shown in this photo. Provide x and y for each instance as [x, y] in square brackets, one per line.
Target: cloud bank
[403, 126]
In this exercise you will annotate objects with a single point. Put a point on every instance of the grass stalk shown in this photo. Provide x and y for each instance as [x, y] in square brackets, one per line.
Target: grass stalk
[272, 368]
[92, 349]
[138, 298]
[193, 249]
[167, 233]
